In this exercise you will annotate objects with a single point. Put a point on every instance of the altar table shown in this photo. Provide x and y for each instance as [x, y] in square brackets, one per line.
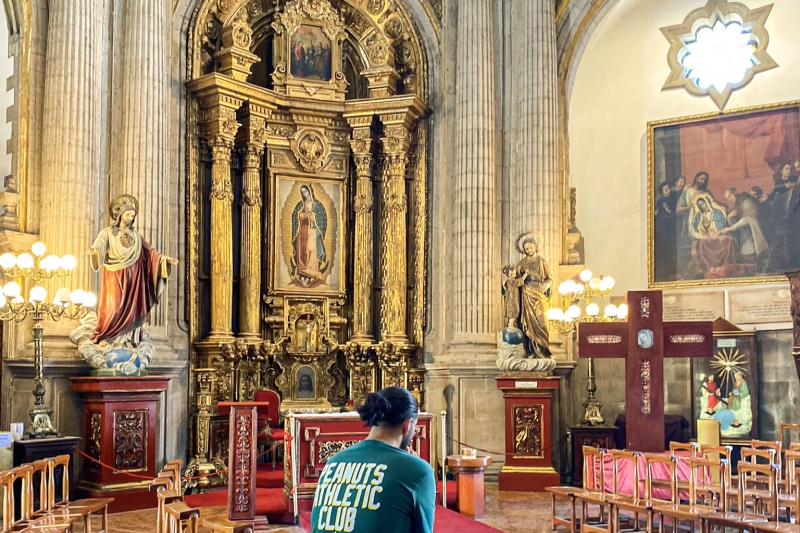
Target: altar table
[313, 438]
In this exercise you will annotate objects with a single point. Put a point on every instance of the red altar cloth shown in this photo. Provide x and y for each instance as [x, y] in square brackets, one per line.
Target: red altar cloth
[660, 473]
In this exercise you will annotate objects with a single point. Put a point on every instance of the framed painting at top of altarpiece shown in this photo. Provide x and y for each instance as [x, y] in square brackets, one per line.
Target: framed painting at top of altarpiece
[723, 197]
[725, 386]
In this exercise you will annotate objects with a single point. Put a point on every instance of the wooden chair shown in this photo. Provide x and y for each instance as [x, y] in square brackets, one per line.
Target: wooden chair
[775, 445]
[269, 430]
[692, 448]
[716, 453]
[647, 503]
[568, 493]
[785, 430]
[178, 515]
[84, 509]
[221, 524]
[618, 457]
[781, 527]
[39, 488]
[705, 494]
[788, 500]
[168, 479]
[35, 486]
[742, 520]
[596, 493]
[23, 477]
[754, 456]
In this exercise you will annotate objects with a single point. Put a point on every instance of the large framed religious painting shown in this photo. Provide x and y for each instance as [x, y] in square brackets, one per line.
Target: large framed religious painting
[723, 197]
[311, 57]
[309, 241]
[725, 386]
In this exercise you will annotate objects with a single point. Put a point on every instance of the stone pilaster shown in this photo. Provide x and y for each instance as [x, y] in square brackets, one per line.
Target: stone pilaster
[475, 300]
[72, 132]
[140, 163]
[219, 129]
[362, 146]
[250, 274]
[535, 182]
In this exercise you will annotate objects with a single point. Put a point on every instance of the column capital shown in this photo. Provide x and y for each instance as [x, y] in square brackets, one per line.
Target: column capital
[218, 116]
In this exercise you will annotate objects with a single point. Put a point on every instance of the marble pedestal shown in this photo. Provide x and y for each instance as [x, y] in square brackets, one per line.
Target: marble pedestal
[120, 429]
[528, 418]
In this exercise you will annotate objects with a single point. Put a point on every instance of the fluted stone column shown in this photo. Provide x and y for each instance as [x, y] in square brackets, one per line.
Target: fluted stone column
[362, 146]
[220, 130]
[72, 132]
[250, 275]
[476, 228]
[535, 181]
[140, 162]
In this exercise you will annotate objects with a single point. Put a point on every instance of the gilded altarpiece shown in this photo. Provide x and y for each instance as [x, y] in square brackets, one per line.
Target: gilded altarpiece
[307, 193]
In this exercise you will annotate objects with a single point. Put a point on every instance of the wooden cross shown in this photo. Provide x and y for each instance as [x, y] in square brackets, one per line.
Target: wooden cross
[644, 340]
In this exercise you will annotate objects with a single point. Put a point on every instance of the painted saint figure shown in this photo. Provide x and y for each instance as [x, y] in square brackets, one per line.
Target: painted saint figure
[134, 275]
[309, 225]
[713, 394]
[534, 291]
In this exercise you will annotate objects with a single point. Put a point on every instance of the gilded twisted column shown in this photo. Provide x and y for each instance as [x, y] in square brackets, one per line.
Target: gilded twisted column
[140, 165]
[72, 132]
[393, 244]
[219, 130]
[362, 146]
[476, 229]
[250, 274]
[534, 126]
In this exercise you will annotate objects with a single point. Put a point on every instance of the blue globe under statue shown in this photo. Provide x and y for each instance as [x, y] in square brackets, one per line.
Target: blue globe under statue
[512, 335]
[123, 360]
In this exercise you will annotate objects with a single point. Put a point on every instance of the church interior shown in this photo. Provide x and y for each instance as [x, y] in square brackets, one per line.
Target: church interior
[569, 228]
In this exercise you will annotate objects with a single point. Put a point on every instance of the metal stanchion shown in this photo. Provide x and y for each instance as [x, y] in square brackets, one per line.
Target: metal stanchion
[444, 459]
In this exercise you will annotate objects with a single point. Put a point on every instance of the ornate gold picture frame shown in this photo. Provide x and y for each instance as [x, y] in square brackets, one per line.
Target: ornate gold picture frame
[723, 200]
[309, 245]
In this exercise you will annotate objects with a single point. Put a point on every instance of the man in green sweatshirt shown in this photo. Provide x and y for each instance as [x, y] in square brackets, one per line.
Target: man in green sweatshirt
[376, 485]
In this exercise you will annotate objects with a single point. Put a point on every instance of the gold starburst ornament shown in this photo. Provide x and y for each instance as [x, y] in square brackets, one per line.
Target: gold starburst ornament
[718, 49]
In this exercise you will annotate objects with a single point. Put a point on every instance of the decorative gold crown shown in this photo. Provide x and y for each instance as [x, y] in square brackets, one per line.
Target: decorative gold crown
[119, 204]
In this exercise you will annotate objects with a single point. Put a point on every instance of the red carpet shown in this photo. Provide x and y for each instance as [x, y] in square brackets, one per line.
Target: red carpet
[271, 502]
[268, 501]
[268, 478]
[451, 494]
[446, 521]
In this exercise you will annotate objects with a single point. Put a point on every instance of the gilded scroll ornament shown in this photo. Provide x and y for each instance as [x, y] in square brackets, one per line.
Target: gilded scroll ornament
[528, 430]
[329, 447]
[95, 436]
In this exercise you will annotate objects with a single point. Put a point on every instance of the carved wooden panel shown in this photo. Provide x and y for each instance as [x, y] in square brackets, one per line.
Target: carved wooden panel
[130, 439]
[528, 430]
[242, 464]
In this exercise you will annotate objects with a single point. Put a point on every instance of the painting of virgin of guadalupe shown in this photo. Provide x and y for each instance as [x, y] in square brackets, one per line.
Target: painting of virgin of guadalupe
[308, 235]
[309, 225]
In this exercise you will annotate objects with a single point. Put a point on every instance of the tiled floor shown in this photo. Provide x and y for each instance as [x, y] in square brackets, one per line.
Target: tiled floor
[511, 512]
